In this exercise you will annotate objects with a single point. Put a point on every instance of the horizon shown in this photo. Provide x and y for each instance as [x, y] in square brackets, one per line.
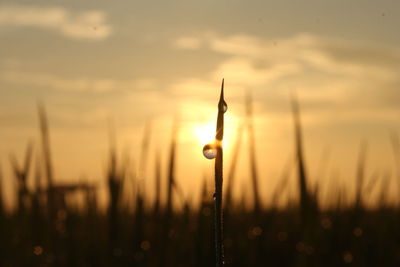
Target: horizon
[149, 63]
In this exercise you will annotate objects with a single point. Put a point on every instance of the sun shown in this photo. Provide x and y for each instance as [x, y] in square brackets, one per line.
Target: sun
[205, 133]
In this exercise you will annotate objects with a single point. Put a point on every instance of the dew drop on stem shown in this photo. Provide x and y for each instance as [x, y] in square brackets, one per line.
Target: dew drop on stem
[224, 106]
[210, 151]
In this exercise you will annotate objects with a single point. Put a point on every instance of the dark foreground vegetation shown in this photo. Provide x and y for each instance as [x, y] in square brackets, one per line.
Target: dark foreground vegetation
[45, 230]
[274, 238]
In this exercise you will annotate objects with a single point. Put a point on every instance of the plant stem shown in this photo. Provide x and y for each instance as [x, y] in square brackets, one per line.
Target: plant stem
[218, 181]
[252, 150]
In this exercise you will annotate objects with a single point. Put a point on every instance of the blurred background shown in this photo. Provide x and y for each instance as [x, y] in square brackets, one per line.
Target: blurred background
[105, 108]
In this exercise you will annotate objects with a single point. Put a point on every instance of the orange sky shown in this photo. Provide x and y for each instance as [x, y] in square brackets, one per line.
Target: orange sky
[136, 63]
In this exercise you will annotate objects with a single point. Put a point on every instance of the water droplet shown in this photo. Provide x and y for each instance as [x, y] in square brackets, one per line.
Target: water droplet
[145, 245]
[214, 196]
[210, 151]
[38, 250]
[224, 106]
[347, 257]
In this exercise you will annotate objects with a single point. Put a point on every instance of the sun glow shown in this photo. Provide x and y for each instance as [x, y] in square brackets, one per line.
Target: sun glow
[205, 133]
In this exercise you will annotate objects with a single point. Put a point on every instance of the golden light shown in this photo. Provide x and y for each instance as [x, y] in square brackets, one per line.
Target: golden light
[205, 132]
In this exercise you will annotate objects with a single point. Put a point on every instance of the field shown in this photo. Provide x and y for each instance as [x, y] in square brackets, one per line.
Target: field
[44, 230]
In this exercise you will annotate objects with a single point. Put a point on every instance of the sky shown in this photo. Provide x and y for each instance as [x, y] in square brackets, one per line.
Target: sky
[135, 63]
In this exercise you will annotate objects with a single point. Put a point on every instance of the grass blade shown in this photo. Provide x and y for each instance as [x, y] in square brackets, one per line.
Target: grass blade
[157, 201]
[44, 131]
[307, 206]
[360, 175]
[252, 150]
[232, 169]
[218, 220]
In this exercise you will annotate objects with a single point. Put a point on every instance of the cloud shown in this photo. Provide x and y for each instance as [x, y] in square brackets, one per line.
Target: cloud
[190, 43]
[343, 79]
[96, 85]
[89, 25]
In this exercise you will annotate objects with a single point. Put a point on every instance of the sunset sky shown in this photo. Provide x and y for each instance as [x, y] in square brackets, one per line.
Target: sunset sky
[151, 62]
